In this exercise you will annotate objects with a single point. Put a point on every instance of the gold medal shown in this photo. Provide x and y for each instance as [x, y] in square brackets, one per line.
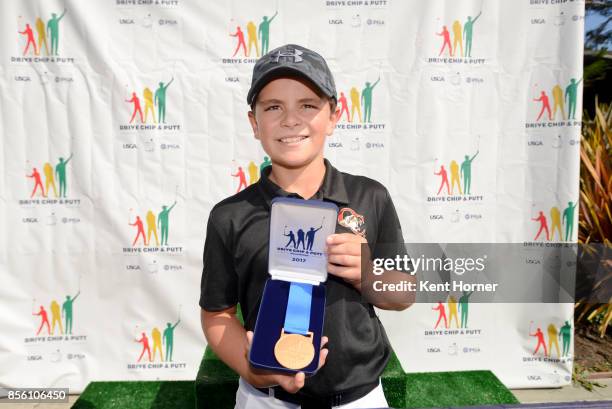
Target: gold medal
[294, 351]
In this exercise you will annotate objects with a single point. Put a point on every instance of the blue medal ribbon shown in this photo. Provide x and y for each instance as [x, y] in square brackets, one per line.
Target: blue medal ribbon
[297, 317]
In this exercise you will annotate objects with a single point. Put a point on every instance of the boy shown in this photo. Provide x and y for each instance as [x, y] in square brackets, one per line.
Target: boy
[293, 110]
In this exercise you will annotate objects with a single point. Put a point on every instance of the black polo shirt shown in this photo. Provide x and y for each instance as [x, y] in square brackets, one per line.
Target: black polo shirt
[236, 270]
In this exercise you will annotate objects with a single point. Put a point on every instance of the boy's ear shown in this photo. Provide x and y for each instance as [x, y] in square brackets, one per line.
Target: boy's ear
[335, 117]
[253, 123]
[337, 113]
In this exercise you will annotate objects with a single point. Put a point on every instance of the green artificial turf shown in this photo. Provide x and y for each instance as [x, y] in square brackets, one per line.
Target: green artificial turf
[464, 388]
[137, 395]
[216, 384]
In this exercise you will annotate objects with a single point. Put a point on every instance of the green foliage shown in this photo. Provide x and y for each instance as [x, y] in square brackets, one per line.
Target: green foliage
[595, 221]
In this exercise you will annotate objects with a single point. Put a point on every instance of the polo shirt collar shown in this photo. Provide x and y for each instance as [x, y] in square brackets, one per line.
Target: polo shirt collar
[332, 188]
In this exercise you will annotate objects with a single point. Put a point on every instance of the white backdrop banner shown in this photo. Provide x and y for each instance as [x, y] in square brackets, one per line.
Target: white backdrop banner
[125, 121]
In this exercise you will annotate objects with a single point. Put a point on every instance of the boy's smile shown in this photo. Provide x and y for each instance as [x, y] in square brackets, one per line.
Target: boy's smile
[292, 121]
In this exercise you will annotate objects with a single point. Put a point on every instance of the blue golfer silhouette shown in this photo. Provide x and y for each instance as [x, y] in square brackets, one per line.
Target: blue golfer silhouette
[310, 235]
[300, 234]
[291, 238]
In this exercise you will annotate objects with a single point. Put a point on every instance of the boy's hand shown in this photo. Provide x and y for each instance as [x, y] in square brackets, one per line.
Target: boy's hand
[344, 257]
[291, 383]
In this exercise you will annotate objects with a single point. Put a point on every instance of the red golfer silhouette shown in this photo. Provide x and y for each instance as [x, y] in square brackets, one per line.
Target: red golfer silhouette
[145, 347]
[137, 110]
[446, 36]
[343, 107]
[241, 42]
[545, 106]
[37, 182]
[540, 336]
[441, 314]
[444, 181]
[44, 320]
[241, 177]
[28, 32]
[543, 225]
[138, 223]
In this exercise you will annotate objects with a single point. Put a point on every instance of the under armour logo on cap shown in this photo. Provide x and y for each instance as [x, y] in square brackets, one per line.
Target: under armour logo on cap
[296, 54]
[291, 60]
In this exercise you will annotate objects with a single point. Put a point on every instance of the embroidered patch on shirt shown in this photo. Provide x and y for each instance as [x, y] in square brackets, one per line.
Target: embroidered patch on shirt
[350, 219]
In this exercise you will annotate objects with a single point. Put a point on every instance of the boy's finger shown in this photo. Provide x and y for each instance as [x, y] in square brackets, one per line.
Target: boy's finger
[324, 341]
[339, 271]
[298, 381]
[344, 260]
[338, 238]
[322, 357]
[249, 336]
[351, 248]
[292, 384]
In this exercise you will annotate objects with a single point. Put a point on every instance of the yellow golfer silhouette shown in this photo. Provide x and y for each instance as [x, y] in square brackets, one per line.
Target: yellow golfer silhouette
[452, 308]
[253, 173]
[557, 93]
[555, 217]
[42, 36]
[455, 177]
[56, 316]
[553, 339]
[252, 34]
[355, 104]
[157, 343]
[151, 227]
[49, 179]
[148, 99]
[457, 38]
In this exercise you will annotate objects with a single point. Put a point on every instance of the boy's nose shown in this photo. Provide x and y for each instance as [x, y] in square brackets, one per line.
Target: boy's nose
[290, 119]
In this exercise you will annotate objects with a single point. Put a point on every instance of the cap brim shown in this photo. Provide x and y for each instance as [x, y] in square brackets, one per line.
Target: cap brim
[279, 72]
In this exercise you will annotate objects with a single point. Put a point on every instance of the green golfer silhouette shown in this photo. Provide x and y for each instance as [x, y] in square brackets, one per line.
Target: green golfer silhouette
[53, 31]
[168, 339]
[565, 332]
[67, 312]
[468, 29]
[266, 162]
[163, 223]
[264, 33]
[466, 173]
[571, 95]
[160, 100]
[60, 172]
[463, 308]
[568, 220]
[366, 100]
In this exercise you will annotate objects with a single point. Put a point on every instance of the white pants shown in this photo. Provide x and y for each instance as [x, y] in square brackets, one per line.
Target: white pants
[249, 397]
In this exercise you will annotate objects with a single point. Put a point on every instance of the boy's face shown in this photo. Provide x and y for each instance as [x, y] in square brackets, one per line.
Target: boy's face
[291, 121]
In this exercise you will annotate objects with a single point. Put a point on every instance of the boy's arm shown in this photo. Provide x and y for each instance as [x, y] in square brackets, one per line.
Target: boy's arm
[345, 255]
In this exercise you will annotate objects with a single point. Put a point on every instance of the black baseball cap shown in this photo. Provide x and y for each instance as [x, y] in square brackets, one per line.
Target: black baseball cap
[293, 61]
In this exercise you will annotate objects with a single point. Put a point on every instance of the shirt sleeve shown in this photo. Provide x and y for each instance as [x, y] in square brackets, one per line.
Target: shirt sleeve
[219, 285]
[390, 240]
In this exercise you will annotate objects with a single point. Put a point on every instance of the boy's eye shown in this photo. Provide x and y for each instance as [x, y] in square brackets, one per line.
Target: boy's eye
[272, 108]
[310, 106]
